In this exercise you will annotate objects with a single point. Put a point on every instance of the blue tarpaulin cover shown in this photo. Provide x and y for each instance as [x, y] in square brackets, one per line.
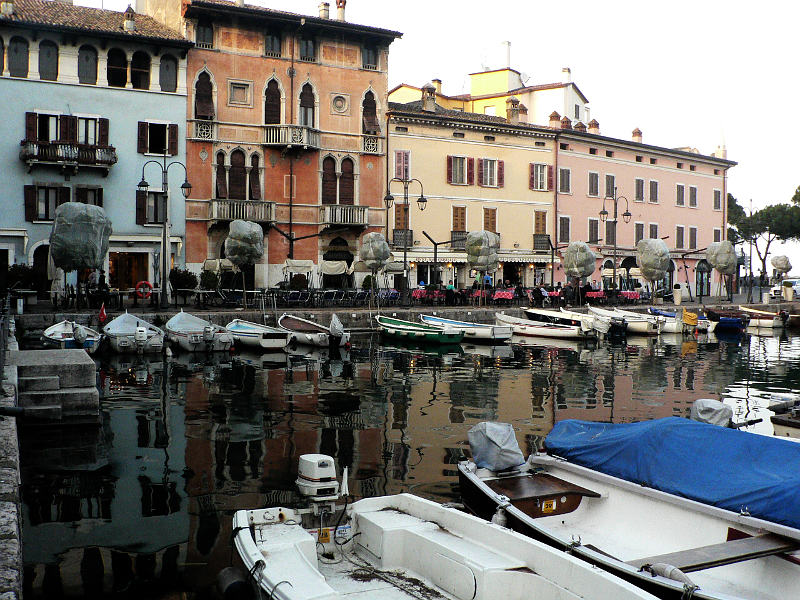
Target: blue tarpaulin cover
[726, 468]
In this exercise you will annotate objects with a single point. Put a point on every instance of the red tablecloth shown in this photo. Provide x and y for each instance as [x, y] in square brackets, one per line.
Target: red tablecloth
[600, 294]
[420, 294]
[629, 295]
[554, 294]
[503, 295]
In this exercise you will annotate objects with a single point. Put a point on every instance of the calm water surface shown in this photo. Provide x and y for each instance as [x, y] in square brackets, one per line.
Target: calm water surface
[140, 505]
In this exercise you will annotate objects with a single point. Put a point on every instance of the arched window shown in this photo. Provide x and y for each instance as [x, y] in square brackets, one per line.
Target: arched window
[272, 104]
[18, 57]
[48, 60]
[307, 106]
[168, 73]
[237, 177]
[87, 65]
[328, 181]
[369, 119]
[255, 187]
[222, 176]
[203, 97]
[346, 183]
[140, 70]
[117, 68]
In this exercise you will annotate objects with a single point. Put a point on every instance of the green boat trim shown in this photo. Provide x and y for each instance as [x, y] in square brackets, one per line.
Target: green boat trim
[417, 332]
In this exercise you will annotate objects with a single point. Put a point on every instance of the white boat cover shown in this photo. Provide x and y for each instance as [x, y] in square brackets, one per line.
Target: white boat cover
[713, 412]
[494, 446]
[293, 265]
[184, 321]
[126, 324]
[336, 327]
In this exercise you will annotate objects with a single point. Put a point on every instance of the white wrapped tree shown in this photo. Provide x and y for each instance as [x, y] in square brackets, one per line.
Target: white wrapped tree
[244, 246]
[482, 249]
[722, 256]
[652, 258]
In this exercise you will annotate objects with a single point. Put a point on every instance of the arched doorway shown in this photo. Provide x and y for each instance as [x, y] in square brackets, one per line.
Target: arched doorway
[40, 256]
[703, 278]
[338, 249]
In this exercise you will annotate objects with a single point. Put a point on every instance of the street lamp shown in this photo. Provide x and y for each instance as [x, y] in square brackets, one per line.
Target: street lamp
[626, 216]
[422, 202]
[186, 189]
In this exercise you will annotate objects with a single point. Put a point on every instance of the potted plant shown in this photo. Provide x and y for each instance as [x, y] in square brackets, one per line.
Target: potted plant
[677, 294]
[209, 280]
[788, 291]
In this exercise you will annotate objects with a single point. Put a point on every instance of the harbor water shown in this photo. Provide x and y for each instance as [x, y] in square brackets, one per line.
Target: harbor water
[140, 505]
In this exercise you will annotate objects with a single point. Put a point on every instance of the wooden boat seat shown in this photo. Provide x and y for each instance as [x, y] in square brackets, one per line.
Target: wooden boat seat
[725, 553]
[541, 494]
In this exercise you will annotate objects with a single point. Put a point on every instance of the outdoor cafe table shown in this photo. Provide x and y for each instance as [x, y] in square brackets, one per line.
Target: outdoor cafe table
[596, 294]
[503, 295]
[629, 294]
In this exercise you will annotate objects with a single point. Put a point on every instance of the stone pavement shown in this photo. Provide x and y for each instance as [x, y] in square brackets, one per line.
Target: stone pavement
[10, 517]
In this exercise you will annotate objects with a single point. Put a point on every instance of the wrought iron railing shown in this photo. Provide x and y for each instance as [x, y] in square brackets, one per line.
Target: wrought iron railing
[458, 240]
[371, 144]
[403, 238]
[248, 210]
[291, 135]
[344, 214]
[68, 152]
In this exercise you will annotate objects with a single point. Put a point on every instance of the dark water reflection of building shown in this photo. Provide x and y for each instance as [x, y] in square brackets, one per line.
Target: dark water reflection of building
[144, 501]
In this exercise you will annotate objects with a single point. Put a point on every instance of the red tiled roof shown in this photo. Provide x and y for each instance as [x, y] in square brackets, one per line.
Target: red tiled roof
[60, 15]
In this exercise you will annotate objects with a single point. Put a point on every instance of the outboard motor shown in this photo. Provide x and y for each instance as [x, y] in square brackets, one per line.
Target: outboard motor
[316, 480]
[208, 337]
[79, 334]
[140, 337]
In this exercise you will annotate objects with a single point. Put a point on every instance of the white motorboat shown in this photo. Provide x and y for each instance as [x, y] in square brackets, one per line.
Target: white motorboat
[665, 324]
[473, 332]
[255, 335]
[194, 334]
[638, 326]
[672, 545]
[762, 319]
[129, 333]
[311, 333]
[400, 547]
[611, 327]
[71, 335]
[526, 327]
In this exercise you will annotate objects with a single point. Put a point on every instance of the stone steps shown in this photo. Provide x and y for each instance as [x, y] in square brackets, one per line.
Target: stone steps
[38, 384]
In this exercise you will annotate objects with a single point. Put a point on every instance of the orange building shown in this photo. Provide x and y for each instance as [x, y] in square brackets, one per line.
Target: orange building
[284, 128]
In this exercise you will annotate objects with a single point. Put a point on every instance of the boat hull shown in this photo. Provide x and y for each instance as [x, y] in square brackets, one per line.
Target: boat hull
[409, 331]
[473, 332]
[193, 341]
[310, 333]
[61, 336]
[254, 335]
[528, 328]
[127, 344]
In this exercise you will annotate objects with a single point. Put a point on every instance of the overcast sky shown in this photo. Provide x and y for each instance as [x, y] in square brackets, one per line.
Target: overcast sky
[695, 74]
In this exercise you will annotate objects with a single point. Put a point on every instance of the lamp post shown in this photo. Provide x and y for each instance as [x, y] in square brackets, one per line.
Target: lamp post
[186, 189]
[626, 216]
[422, 202]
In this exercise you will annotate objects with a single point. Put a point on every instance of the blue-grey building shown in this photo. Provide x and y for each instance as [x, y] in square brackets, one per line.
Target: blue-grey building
[88, 97]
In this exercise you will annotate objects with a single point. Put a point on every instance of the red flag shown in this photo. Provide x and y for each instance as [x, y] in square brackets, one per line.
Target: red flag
[102, 316]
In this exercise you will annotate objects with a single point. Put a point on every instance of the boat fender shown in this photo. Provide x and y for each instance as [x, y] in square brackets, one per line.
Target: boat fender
[144, 289]
[232, 584]
[499, 517]
[668, 571]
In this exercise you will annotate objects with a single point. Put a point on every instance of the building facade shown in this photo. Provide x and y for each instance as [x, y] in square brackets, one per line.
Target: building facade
[285, 128]
[87, 106]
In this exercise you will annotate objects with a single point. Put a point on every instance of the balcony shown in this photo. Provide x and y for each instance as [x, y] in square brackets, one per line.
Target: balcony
[371, 144]
[67, 155]
[203, 130]
[247, 210]
[291, 135]
[403, 238]
[458, 240]
[344, 214]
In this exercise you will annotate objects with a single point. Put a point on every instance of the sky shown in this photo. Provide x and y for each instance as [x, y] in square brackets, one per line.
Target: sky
[695, 74]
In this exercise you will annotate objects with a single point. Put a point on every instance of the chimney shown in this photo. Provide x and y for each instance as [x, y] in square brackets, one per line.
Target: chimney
[594, 127]
[438, 84]
[129, 24]
[324, 10]
[512, 110]
[7, 8]
[429, 97]
[580, 127]
[566, 123]
[721, 151]
[637, 135]
[523, 113]
[508, 54]
[555, 120]
[586, 111]
[566, 75]
[340, 9]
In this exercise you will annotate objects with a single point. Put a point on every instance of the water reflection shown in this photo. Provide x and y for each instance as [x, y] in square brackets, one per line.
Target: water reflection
[140, 504]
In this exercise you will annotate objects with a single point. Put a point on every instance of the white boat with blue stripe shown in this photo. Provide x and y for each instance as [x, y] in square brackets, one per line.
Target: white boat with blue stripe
[477, 332]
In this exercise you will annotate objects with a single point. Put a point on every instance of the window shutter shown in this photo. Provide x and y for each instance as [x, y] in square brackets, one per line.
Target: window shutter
[172, 137]
[255, 184]
[141, 138]
[63, 196]
[30, 202]
[480, 171]
[222, 184]
[471, 171]
[399, 160]
[80, 195]
[30, 127]
[72, 129]
[531, 181]
[99, 196]
[449, 169]
[102, 134]
[549, 178]
[141, 207]
[501, 178]
[63, 128]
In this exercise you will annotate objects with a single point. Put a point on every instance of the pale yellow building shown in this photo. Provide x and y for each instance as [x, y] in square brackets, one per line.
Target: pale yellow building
[477, 172]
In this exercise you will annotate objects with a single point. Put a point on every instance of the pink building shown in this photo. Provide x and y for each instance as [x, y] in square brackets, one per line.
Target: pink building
[674, 194]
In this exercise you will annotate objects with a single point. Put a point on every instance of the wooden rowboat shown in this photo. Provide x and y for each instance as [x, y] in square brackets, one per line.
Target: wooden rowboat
[417, 332]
